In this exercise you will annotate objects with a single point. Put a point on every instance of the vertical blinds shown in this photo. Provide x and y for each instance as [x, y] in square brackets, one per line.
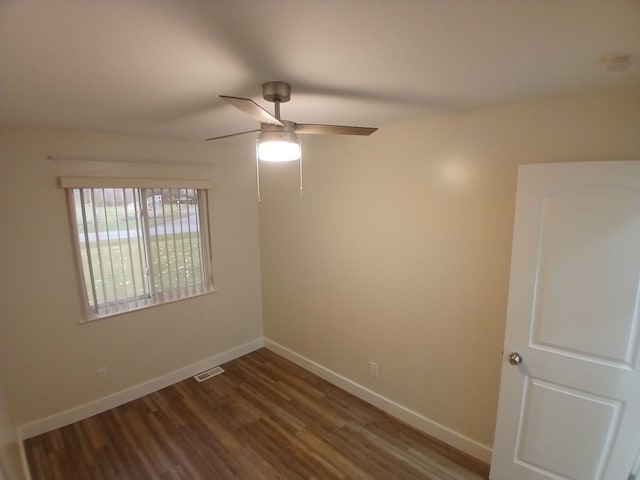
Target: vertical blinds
[140, 246]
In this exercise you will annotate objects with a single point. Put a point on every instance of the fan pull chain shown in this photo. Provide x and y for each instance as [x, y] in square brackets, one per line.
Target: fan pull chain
[301, 191]
[300, 188]
[258, 172]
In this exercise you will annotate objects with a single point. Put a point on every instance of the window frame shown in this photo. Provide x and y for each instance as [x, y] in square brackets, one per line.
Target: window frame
[90, 313]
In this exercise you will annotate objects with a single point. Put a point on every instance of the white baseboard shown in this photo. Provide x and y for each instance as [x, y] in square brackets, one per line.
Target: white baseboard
[422, 423]
[95, 407]
[416, 420]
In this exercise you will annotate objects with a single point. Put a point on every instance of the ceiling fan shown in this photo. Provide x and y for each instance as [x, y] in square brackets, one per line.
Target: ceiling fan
[278, 140]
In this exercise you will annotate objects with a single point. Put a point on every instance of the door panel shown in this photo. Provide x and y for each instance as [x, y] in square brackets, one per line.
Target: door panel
[571, 409]
[586, 291]
[582, 420]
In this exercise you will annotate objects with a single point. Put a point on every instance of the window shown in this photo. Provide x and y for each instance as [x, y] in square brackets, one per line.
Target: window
[139, 246]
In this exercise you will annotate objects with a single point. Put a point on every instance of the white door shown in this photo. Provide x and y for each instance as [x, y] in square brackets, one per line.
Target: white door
[571, 408]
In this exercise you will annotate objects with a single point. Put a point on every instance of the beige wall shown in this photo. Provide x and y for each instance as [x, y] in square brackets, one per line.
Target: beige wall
[51, 359]
[399, 250]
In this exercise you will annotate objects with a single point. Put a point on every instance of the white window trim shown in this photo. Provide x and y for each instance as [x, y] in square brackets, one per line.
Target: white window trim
[119, 182]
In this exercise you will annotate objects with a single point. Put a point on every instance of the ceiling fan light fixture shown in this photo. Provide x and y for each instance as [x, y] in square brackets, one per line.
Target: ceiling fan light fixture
[279, 146]
[278, 140]
[279, 151]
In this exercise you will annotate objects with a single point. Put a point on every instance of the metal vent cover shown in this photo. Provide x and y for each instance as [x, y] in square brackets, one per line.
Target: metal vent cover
[207, 374]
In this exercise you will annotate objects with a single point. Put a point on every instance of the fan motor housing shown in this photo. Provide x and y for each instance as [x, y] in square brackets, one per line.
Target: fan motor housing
[276, 92]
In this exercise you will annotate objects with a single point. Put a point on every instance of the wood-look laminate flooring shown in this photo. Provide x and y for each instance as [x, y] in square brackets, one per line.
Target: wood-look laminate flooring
[264, 418]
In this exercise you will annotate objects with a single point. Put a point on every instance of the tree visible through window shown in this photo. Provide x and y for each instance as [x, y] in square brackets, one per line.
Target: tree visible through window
[140, 246]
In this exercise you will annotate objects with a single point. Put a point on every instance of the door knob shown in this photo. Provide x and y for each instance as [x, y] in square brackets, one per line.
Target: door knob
[515, 358]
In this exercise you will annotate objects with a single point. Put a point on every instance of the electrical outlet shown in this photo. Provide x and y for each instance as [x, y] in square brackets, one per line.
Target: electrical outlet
[101, 374]
[373, 369]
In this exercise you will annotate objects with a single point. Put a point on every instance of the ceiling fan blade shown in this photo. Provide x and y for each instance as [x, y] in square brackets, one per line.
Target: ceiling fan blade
[313, 129]
[232, 135]
[252, 109]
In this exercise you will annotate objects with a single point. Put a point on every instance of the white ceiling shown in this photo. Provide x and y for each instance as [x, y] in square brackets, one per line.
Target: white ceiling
[151, 67]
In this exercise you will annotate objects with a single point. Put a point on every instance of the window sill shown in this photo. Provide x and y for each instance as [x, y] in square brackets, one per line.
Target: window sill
[144, 307]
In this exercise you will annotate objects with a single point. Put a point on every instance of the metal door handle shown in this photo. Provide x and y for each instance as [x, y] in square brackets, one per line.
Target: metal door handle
[515, 358]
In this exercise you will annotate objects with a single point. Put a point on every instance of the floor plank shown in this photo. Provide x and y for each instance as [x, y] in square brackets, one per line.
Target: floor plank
[264, 418]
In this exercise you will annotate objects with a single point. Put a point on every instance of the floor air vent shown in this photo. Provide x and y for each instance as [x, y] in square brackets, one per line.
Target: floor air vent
[207, 374]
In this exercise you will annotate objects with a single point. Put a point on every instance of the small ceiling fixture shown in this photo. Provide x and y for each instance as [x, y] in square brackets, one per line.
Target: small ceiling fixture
[616, 62]
[278, 140]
